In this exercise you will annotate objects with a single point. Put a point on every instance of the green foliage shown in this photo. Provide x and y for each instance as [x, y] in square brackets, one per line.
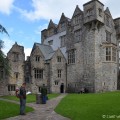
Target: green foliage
[3, 30]
[4, 63]
[8, 109]
[90, 106]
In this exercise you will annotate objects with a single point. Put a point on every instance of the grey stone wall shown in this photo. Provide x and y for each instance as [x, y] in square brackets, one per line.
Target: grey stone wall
[55, 65]
[16, 66]
[36, 83]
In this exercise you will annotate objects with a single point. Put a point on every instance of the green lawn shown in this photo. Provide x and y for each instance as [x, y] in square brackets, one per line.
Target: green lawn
[8, 109]
[30, 98]
[102, 106]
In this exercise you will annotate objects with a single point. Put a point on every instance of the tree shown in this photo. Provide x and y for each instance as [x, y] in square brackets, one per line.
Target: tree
[4, 63]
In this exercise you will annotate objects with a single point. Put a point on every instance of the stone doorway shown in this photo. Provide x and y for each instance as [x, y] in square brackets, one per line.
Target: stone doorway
[62, 88]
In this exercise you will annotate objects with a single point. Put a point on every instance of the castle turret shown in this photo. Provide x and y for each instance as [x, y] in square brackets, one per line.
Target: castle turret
[93, 11]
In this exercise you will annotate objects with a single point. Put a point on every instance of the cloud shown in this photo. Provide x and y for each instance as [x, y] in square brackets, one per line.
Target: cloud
[52, 9]
[6, 6]
[7, 44]
[27, 52]
[40, 28]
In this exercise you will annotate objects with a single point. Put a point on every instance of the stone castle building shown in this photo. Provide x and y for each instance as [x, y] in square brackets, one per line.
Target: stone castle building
[75, 54]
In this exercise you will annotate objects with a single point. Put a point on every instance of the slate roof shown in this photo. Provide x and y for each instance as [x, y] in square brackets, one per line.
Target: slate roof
[46, 50]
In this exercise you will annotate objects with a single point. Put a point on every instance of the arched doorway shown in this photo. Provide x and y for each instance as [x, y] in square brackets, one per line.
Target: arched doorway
[62, 88]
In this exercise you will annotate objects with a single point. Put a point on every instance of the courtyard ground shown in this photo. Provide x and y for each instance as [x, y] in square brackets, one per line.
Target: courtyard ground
[41, 111]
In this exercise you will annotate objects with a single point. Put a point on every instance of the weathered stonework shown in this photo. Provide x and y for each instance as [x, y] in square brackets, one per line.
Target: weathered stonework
[88, 34]
[16, 58]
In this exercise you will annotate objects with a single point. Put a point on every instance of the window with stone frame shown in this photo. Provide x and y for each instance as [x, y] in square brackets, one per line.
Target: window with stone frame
[59, 58]
[62, 26]
[108, 36]
[100, 12]
[56, 82]
[108, 53]
[111, 54]
[89, 12]
[114, 54]
[77, 34]
[16, 56]
[107, 21]
[50, 42]
[77, 19]
[11, 87]
[37, 58]
[1, 72]
[16, 75]
[63, 38]
[38, 73]
[59, 73]
[71, 56]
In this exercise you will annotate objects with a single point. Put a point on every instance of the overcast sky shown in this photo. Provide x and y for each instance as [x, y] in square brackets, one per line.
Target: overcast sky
[24, 19]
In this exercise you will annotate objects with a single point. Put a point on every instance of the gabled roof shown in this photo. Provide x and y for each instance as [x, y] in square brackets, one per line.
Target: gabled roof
[77, 11]
[64, 18]
[108, 11]
[46, 50]
[52, 25]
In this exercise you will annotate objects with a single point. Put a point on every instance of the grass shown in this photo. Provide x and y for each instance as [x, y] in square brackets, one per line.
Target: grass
[8, 109]
[102, 106]
[30, 98]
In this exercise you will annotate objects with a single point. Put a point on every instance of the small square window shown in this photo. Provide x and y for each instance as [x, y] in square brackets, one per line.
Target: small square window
[56, 82]
[50, 42]
[59, 59]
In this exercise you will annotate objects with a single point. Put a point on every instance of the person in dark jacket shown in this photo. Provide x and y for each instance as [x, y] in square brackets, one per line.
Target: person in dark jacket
[22, 99]
[44, 94]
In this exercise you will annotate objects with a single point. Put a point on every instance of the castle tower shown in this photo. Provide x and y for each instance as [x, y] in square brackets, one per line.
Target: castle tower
[93, 11]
